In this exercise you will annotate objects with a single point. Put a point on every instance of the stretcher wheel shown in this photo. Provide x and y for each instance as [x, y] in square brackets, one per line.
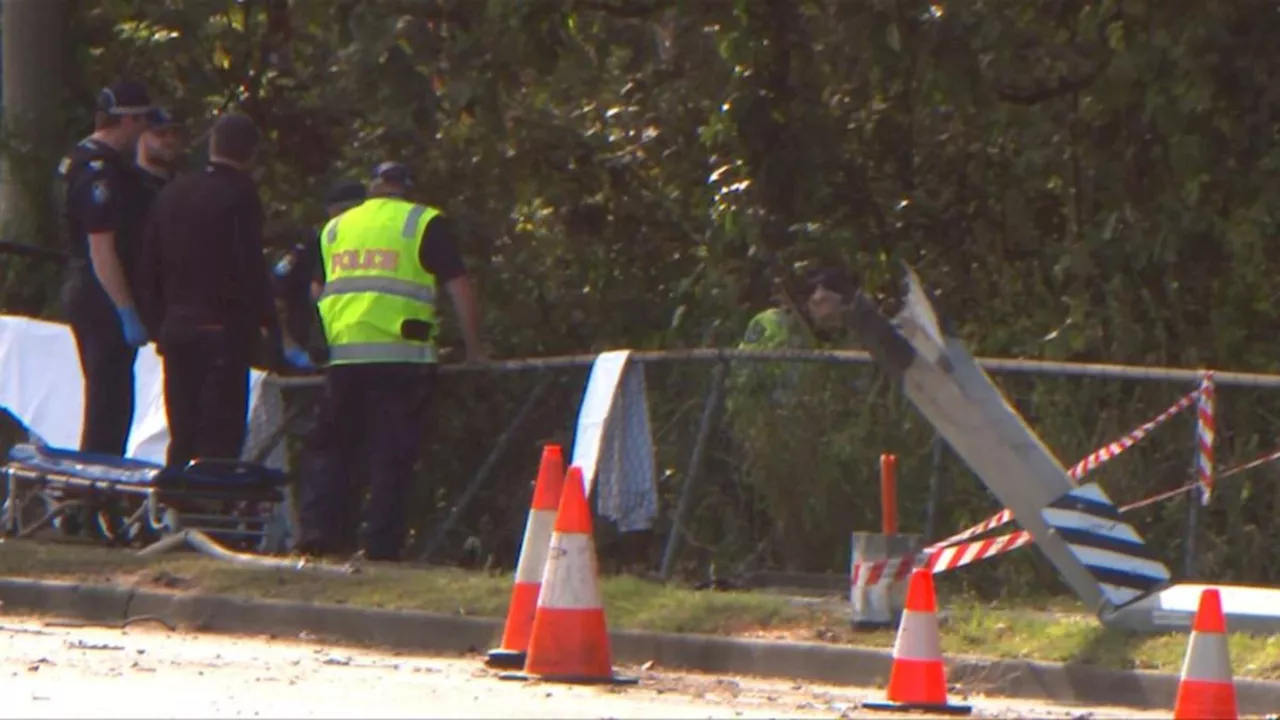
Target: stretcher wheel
[69, 524]
[109, 525]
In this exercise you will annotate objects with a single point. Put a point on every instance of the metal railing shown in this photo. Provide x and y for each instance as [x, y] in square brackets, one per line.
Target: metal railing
[856, 357]
[698, 452]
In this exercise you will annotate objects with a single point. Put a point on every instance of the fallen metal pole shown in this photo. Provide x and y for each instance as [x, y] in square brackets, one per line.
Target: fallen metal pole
[499, 449]
[207, 545]
[851, 357]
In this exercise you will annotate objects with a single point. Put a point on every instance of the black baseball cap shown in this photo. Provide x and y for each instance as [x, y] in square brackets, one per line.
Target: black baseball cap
[124, 98]
[345, 191]
[159, 117]
[834, 279]
[393, 172]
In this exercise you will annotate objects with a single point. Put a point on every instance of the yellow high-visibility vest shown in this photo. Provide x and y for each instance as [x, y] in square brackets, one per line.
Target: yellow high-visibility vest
[374, 284]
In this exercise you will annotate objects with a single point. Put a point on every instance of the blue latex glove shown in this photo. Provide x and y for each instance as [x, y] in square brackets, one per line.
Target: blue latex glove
[134, 333]
[298, 359]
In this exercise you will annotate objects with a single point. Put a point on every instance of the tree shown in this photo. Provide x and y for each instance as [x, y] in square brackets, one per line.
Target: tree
[1081, 179]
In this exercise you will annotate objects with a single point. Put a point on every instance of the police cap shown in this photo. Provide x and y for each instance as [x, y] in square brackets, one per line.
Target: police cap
[393, 172]
[834, 279]
[159, 117]
[124, 98]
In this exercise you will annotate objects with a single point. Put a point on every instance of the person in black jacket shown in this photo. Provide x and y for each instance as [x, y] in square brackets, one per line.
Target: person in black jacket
[205, 294]
[101, 221]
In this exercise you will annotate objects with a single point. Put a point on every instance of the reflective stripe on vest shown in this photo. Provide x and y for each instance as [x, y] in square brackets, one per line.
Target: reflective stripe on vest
[382, 352]
[384, 285]
[408, 231]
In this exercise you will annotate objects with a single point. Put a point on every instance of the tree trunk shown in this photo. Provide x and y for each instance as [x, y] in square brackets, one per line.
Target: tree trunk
[35, 39]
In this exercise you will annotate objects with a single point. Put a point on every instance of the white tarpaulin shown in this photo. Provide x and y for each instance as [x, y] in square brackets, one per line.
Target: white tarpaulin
[41, 385]
[614, 442]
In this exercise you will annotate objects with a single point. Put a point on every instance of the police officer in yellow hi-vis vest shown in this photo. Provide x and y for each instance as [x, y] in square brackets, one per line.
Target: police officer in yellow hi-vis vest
[384, 261]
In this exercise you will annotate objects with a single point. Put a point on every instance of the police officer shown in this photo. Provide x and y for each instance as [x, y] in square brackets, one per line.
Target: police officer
[298, 278]
[102, 222]
[158, 151]
[383, 262]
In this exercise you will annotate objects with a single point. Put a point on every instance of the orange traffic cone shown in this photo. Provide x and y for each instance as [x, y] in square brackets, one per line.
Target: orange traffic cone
[547, 489]
[918, 680]
[570, 638]
[1206, 689]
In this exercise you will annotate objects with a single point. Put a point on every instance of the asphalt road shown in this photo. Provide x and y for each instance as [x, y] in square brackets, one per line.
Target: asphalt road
[148, 671]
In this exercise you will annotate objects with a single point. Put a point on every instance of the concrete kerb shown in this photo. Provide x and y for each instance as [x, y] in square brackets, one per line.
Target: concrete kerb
[429, 632]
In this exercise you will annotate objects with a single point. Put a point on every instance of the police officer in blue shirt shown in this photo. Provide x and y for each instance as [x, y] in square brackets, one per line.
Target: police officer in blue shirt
[298, 278]
[101, 222]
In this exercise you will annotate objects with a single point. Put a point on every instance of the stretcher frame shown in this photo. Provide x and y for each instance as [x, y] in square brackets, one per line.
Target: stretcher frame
[134, 503]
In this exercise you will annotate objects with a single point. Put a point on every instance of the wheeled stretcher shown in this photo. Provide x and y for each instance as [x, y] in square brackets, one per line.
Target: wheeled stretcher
[132, 502]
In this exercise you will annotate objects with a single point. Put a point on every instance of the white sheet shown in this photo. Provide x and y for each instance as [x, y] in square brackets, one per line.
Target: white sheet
[613, 443]
[41, 385]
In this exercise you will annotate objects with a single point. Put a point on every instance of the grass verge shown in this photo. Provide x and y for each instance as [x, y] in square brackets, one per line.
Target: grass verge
[1052, 632]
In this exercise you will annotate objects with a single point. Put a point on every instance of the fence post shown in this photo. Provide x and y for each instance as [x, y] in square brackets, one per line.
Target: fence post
[931, 504]
[694, 472]
[1193, 506]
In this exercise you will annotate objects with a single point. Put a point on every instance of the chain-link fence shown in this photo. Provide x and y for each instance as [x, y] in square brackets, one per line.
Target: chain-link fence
[768, 460]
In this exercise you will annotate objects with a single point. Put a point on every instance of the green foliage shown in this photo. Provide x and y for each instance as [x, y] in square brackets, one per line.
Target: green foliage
[1079, 180]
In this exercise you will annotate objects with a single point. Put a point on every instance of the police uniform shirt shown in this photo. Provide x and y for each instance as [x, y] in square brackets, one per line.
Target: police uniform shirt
[291, 279]
[100, 197]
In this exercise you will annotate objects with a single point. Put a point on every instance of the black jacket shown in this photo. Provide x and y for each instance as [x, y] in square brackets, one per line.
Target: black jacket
[202, 260]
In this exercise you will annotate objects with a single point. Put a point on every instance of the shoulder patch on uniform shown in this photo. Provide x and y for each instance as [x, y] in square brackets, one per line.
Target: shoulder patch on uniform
[64, 166]
[101, 193]
[96, 164]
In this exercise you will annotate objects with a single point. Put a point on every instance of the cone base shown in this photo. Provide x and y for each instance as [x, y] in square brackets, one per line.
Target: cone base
[501, 659]
[572, 679]
[1202, 699]
[945, 709]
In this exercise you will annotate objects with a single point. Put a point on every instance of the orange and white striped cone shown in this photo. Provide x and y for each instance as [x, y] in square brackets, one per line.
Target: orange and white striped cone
[570, 639]
[1207, 689]
[538, 528]
[918, 680]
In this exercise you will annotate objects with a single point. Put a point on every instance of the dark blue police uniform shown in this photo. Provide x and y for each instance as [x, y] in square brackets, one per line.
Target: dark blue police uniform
[100, 194]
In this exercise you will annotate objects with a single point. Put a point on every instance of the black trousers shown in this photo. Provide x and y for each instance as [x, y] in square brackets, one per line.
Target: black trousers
[206, 396]
[372, 423]
[106, 362]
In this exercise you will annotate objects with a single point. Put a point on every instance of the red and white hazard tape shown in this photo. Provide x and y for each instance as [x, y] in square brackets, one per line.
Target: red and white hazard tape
[1205, 432]
[954, 552]
[864, 575]
[957, 556]
[951, 554]
[1110, 451]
